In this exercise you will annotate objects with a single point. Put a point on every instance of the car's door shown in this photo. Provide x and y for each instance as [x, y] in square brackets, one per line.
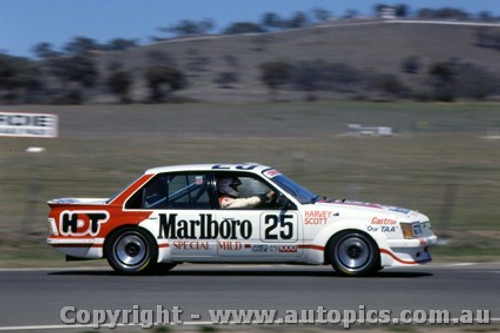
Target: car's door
[266, 232]
[182, 212]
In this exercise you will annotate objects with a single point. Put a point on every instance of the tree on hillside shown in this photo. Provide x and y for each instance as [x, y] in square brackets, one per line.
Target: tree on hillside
[163, 80]
[45, 50]
[18, 77]
[350, 14]
[298, 20]
[402, 10]
[272, 21]
[120, 44]
[425, 13]
[485, 15]
[311, 76]
[321, 15]
[445, 13]
[453, 79]
[274, 75]
[79, 69]
[81, 46]
[119, 82]
[244, 28]
[76, 74]
[344, 78]
[452, 13]
[443, 80]
[387, 84]
[190, 27]
[475, 81]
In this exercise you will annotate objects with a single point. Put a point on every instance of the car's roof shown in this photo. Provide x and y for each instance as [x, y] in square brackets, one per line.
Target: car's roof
[249, 167]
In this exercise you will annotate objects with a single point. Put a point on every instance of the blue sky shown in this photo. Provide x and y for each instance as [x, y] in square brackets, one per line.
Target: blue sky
[25, 23]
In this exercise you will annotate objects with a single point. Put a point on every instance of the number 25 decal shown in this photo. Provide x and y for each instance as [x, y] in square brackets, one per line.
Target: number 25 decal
[276, 228]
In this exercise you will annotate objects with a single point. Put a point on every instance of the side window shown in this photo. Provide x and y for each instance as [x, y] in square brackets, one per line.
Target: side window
[172, 191]
[251, 186]
[155, 193]
[188, 192]
[242, 191]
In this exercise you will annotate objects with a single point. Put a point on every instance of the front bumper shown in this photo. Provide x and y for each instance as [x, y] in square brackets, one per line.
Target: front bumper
[403, 252]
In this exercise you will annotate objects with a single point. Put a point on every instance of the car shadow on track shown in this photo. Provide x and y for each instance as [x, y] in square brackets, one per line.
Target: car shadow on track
[247, 272]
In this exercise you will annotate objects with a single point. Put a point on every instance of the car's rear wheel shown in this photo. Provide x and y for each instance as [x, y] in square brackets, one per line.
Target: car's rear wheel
[131, 251]
[353, 253]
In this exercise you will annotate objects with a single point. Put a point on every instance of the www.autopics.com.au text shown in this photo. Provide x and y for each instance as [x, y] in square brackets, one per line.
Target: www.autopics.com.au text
[147, 318]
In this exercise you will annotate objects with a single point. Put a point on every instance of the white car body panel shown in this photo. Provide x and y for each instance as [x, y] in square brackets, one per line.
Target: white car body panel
[299, 235]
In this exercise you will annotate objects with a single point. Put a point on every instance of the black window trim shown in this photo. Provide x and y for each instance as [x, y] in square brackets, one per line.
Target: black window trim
[242, 173]
[210, 189]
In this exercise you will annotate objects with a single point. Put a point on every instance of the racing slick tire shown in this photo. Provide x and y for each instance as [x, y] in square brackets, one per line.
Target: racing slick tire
[131, 251]
[353, 253]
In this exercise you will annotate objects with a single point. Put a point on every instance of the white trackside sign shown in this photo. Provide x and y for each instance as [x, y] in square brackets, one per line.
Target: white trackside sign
[23, 124]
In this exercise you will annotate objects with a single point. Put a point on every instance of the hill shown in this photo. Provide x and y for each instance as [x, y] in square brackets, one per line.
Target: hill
[375, 45]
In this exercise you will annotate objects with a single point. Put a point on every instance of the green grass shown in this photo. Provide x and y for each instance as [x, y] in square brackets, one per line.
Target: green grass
[417, 168]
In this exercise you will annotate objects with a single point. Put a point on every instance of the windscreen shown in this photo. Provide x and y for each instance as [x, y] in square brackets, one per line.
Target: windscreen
[298, 192]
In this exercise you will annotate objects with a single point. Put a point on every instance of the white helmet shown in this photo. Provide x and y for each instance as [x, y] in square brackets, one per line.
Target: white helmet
[229, 186]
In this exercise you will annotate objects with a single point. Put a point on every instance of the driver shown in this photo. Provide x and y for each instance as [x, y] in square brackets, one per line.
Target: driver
[229, 196]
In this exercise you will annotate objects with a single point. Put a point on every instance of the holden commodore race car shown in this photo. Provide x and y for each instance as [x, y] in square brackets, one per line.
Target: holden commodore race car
[191, 213]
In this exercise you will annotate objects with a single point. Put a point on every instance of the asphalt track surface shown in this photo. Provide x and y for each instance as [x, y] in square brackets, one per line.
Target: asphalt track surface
[32, 299]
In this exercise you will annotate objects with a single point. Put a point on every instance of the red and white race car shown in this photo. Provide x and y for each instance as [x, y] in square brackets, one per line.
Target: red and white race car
[241, 213]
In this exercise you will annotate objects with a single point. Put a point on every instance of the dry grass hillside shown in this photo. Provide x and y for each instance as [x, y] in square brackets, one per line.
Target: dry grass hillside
[365, 44]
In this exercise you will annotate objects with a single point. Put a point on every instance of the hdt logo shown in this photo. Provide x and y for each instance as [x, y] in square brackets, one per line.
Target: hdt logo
[82, 223]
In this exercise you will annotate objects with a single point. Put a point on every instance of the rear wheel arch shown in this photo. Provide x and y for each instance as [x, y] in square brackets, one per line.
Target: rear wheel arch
[117, 230]
[131, 249]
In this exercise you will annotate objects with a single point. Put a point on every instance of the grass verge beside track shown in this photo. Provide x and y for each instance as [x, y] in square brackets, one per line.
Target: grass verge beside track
[443, 160]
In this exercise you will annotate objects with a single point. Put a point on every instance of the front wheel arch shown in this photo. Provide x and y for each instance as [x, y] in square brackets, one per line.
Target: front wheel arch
[353, 252]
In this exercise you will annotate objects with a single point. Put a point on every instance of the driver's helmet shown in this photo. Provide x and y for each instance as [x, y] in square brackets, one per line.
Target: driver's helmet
[229, 186]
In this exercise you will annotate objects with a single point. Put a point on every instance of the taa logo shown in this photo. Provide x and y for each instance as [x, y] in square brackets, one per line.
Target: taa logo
[82, 223]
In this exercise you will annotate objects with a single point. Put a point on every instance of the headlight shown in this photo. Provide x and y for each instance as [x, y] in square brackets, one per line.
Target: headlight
[427, 229]
[407, 229]
[416, 230]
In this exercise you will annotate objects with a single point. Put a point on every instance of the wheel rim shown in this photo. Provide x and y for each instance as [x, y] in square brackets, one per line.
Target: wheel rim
[353, 253]
[131, 250]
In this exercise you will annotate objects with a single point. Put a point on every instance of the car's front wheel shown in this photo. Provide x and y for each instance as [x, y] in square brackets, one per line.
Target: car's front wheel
[131, 251]
[353, 253]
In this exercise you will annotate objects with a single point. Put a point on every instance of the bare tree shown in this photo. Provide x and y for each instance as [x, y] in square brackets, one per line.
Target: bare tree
[274, 75]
